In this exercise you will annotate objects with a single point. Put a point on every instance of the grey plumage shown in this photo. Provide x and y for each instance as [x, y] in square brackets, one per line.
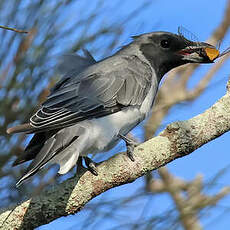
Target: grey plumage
[96, 103]
[73, 64]
[93, 93]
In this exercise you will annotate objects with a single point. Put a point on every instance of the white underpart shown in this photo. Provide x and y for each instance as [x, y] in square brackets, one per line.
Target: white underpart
[100, 135]
[148, 102]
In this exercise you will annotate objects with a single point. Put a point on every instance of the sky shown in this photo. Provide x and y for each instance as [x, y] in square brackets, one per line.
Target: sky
[200, 17]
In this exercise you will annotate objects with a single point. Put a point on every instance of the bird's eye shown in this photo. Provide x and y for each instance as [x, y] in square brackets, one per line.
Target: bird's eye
[165, 43]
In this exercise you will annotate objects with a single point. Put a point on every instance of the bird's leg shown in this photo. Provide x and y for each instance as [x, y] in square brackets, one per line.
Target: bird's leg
[130, 145]
[89, 163]
[80, 166]
[91, 166]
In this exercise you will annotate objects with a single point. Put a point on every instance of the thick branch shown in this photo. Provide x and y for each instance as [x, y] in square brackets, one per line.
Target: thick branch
[177, 140]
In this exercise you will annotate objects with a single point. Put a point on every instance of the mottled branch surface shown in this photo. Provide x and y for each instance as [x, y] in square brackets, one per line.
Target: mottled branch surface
[177, 140]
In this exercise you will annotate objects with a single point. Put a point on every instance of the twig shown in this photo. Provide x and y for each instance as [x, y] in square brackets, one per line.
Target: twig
[13, 29]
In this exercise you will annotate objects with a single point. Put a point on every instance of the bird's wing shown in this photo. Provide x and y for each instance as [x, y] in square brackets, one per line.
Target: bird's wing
[72, 65]
[73, 62]
[104, 89]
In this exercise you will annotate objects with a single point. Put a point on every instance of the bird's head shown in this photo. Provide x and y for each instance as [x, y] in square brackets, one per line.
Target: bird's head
[166, 51]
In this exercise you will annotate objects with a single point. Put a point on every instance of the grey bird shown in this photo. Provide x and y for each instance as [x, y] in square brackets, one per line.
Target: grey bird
[96, 104]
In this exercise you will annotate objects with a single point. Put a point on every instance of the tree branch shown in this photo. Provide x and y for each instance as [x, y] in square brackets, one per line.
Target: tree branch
[177, 140]
[13, 29]
[188, 216]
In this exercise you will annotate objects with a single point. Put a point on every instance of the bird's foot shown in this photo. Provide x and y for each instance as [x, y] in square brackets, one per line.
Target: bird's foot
[130, 145]
[91, 165]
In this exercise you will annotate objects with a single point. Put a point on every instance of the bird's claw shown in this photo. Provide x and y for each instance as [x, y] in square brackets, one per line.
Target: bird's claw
[130, 145]
[89, 163]
[91, 166]
[130, 149]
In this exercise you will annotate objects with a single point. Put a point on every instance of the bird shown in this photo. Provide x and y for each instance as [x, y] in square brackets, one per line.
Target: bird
[97, 103]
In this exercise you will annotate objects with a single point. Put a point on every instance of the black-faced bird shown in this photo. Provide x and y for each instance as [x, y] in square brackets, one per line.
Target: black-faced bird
[96, 104]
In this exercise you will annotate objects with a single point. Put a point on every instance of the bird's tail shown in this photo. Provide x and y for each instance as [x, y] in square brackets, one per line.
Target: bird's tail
[32, 149]
[45, 148]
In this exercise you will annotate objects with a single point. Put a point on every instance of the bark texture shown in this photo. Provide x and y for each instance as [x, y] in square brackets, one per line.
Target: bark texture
[177, 140]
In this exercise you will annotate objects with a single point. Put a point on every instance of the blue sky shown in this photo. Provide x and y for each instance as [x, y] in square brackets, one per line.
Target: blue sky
[200, 17]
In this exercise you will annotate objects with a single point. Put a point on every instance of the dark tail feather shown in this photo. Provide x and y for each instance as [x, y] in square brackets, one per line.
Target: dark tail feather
[36, 164]
[32, 149]
[52, 145]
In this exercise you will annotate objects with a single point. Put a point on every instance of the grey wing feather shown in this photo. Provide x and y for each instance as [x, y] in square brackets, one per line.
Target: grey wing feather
[71, 65]
[73, 62]
[97, 92]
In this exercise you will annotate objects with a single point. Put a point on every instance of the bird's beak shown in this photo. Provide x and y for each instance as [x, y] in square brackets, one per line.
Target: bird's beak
[199, 53]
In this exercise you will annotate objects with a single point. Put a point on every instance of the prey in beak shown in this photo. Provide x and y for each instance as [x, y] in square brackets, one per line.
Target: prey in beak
[199, 53]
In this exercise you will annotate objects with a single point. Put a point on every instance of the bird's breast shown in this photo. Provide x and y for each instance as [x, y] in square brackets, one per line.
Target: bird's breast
[105, 130]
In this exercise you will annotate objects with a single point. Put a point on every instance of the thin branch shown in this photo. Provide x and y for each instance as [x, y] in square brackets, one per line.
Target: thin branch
[188, 218]
[13, 29]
